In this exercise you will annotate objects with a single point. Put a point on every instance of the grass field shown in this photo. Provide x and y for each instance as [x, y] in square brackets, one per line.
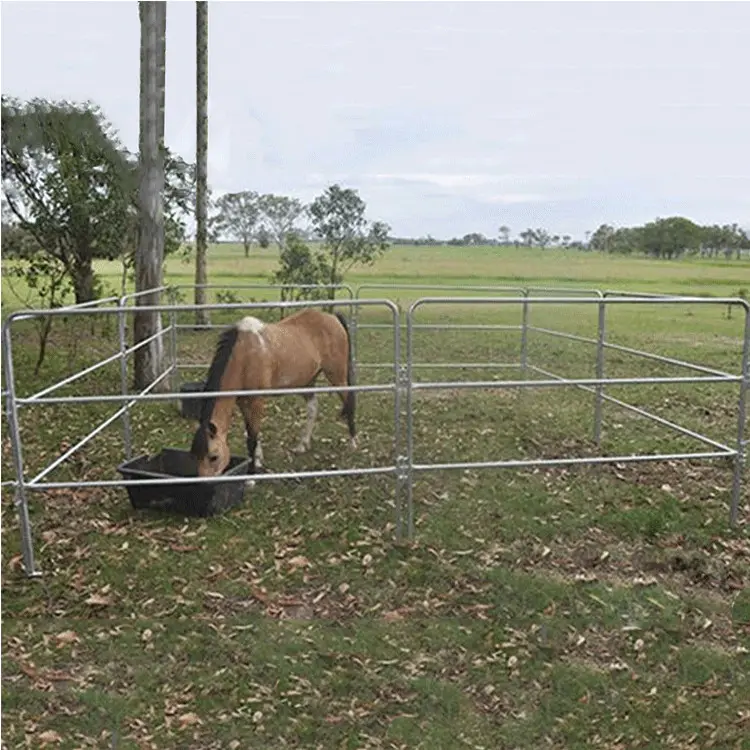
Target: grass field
[538, 608]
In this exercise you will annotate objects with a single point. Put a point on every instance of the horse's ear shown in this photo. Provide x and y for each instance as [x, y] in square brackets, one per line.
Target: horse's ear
[212, 429]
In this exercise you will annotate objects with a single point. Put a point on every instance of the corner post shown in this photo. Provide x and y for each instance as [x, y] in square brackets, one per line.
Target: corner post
[741, 455]
[20, 498]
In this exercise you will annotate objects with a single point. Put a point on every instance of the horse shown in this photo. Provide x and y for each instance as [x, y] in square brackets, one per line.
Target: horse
[253, 355]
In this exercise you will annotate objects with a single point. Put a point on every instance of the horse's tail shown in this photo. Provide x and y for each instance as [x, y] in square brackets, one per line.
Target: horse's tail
[350, 402]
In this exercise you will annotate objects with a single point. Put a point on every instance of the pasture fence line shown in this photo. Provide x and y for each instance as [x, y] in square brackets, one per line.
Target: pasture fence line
[403, 467]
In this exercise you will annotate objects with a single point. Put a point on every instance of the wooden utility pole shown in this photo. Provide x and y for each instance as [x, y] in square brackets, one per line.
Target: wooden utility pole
[149, 256]
[201, 156]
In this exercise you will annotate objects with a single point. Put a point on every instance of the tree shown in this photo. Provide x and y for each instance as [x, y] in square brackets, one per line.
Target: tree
[528, 236]
[669, 238]
[602, 238]
[178, 204]
[338, 217]
[299, 266]
[237, 217]
[149, 255]
[542, 237]
[474, 238]
[201, 157]
[67, 182]
[264, 238]
[504, 234]
[280, 213]
[45, 280]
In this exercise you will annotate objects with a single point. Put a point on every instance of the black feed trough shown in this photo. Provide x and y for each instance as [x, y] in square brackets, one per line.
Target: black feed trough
[198, 499]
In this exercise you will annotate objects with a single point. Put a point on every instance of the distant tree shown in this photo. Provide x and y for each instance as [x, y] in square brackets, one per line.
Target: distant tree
[474, 238]
[527, 237]
[670, 238]
[264, 238]
[566, 238]
[504, 234]
[542, 238]
[237, 217]
[300, 267]
[626, 240]
[338, 217]
[280, 214]
[602, 239]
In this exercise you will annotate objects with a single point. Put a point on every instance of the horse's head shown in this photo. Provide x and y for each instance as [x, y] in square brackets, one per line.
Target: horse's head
[210, 449]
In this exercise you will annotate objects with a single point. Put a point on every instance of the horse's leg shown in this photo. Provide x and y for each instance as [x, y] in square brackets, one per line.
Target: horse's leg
[252, 410]
[305, 438]
[337, 376]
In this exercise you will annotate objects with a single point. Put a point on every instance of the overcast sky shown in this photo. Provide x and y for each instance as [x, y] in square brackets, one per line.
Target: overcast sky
[447, 117]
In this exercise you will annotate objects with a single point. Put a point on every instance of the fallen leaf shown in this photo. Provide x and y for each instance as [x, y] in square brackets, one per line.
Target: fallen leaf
[183, 548]
[391, 616]
[189, 719]
[49, 736]
[66, 638]
[300, 561]
[97, 600]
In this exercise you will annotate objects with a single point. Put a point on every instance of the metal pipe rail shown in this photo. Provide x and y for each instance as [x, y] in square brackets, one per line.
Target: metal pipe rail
[642, 412]
[553, 462]
[480, 384]
[291, 305]
[98, 429]
[150, 397]
[628, 350]
[221, 479]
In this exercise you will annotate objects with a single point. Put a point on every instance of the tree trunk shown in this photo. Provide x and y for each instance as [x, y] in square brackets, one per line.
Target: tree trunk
[149, 254]
[247, 249]
[83, 279]
[201, 156]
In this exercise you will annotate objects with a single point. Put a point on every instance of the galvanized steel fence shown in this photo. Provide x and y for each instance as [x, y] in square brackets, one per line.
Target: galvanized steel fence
[401, 383]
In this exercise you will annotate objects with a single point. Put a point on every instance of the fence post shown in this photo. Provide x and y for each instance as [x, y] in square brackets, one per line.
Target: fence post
[399, 456]
[741, 456]
[20, 499]
[409, 421]
[599, 400]
[122, 333]
[174, 378]
[525, 335]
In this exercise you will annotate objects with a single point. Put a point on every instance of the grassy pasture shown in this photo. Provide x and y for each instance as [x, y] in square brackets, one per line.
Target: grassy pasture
[573, 607]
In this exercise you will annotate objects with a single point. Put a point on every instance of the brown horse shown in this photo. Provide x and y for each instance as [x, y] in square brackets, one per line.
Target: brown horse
[253, 355]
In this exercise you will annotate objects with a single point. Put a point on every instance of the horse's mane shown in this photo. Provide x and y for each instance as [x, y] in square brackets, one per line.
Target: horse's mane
[223, 352]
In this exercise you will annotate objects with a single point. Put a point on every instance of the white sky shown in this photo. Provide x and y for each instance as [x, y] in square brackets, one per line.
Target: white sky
[449, 117]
